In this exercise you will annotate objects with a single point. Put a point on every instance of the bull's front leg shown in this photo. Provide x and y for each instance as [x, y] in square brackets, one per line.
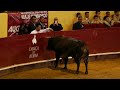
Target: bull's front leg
[86, 64]
[78, 65]
[57, 59]
[65, 61]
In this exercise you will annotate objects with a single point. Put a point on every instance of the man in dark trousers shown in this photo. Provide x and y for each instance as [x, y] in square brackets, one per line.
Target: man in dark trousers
[56, 26]
[32, 24]
[78, 25]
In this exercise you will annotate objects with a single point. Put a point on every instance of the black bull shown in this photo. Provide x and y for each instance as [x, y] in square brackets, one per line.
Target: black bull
[65, 47]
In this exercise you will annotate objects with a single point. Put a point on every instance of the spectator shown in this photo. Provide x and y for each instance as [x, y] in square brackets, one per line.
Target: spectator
[56, 26]
[41, 21]
[96, 20]
[97, 13]
[23, 29]
[78, 25]
[40, 30]
[116, 17]
[77, 15]
[108, 14]
[32, 24]
[107, 22]
[87, 19]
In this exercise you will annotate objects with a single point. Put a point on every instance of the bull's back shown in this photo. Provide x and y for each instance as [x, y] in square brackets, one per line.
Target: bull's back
[61, 43]
[52, 42]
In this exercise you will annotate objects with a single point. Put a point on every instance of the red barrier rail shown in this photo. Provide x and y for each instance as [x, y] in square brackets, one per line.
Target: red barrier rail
[20, 49]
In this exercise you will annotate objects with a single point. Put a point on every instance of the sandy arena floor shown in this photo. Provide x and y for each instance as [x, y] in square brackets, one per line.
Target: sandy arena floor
[99, 69]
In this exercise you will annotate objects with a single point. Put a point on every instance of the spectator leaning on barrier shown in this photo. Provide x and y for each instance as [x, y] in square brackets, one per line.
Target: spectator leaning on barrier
[107, 22]
[87, 19]
[96, 20]
[32, 24]
[41, 21]
[78, 25]
[38, 29]
[56, 26]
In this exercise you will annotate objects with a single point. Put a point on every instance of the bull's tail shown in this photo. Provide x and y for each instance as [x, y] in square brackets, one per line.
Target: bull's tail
[84, 49]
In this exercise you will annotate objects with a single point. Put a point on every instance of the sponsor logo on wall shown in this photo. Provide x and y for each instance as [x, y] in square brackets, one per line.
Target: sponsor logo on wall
[34, 48]
[15, 19]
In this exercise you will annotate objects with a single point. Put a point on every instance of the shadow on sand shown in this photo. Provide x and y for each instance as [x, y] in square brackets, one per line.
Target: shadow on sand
[65, 70]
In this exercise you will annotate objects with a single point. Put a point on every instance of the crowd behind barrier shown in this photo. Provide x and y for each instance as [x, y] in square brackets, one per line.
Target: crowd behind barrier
[90, 26]
[20, 48]
[16, 19]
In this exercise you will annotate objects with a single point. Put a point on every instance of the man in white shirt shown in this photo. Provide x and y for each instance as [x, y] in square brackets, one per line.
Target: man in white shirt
[98, 14]
[87, 19]
[39, 30]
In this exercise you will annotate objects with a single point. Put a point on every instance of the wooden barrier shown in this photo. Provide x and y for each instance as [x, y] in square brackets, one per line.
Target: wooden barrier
[20, 50]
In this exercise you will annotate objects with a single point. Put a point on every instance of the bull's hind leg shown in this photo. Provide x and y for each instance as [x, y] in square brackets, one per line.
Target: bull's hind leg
[65, 61]
[57, 59]
[78, 65]
[86, 64]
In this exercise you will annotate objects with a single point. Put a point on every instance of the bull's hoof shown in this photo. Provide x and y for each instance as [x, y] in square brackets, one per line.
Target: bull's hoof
[55, 66]
[77, 72]
[86, 72]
